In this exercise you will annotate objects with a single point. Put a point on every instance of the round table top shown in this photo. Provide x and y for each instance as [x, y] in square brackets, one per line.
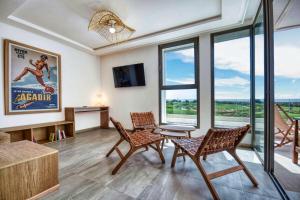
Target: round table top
[173, 134]
[177, 128]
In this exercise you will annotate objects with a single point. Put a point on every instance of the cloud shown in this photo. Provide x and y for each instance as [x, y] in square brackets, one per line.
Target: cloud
[235, 55]
[187, 55]
[232, 94]
[180, 94]
[285, 95]
[181, 81]
[287, 61]
[235, 81]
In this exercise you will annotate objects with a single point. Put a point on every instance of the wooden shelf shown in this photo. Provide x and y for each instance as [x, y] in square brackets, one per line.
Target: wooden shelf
[47, 141]
[39, 132]
[15, 128]
[42, 141]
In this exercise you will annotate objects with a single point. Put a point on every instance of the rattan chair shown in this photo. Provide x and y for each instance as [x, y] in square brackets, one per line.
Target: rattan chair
[285, 128]
[136, 140]
[144, 121]
[216, 140]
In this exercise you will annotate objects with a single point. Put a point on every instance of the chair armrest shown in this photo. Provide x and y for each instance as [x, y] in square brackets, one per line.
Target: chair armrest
[4, 138]
[285, 113]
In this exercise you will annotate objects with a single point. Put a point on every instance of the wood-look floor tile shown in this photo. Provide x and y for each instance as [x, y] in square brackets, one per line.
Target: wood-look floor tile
[98, 192]
[85, 173]
[70, 186]
[133, 180]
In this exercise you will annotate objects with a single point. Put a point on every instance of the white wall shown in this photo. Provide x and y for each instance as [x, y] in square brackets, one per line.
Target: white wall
[125, 100]
[205, 82]
[80, 79]
[122, 101]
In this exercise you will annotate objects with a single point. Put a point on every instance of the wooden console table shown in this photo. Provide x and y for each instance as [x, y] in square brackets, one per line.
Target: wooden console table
[104, 113]
[27, 170]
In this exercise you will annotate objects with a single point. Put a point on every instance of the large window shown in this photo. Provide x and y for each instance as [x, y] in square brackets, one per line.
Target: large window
[179, 82]
[231, 78]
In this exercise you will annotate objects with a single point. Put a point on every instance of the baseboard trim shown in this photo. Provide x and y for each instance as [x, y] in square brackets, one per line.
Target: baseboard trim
[92, 129]
[88, 129]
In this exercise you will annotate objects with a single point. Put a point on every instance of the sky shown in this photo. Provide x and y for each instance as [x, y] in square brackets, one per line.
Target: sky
[232, 68]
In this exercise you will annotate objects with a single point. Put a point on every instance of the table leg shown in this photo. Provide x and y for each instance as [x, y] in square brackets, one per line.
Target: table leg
[295, 143]
[189, 134]
[162, 144]
[183, 155]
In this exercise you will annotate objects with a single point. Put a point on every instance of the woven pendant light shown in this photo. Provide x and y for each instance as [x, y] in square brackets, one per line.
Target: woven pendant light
[110, 26]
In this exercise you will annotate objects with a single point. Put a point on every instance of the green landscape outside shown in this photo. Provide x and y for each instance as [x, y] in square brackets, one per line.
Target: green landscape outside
[229, 109]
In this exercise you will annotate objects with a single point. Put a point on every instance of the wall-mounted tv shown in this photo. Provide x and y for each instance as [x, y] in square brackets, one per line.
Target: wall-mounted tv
[129, 75]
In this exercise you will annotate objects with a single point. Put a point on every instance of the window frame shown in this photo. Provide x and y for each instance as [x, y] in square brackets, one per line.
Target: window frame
[196, 85]
[212, 36]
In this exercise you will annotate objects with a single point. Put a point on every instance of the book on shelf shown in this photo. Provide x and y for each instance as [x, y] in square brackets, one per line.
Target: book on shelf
[58, 134]
[63, 134]
[51, 137]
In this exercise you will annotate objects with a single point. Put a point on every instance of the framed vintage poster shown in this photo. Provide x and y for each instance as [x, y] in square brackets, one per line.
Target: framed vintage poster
[32, 79]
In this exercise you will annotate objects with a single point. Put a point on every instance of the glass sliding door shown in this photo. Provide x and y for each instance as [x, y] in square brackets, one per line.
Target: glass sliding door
[259, 85]
[287, 96]
[231, 78]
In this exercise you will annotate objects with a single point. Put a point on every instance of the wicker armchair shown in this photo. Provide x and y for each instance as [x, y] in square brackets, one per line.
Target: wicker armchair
[216, 140]
[285, 128]
[144, 121]
[136, 140]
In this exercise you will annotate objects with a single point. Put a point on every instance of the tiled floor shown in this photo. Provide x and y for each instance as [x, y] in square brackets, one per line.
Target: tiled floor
[287, 172]
[85, 173]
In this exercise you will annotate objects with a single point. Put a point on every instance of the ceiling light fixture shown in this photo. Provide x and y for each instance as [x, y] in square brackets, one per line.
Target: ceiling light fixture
[110, 26]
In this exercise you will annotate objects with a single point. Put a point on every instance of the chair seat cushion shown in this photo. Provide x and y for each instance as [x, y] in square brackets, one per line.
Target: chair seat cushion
[190, 145]
[145, 137]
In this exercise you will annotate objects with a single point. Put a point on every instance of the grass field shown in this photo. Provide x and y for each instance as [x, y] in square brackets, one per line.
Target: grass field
[186, 107]
[230, 108]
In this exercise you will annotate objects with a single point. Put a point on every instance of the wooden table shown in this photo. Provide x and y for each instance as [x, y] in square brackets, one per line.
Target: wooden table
[171, 135]
[177, 128]
[27, 170]
[296, 148]
[104, 113]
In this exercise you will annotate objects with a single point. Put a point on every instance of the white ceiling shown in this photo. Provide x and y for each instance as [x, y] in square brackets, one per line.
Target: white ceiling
[155, 21]
[286, 14]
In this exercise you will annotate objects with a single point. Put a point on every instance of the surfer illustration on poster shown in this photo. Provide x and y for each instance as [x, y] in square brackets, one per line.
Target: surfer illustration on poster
[32, 79]
[38, 72]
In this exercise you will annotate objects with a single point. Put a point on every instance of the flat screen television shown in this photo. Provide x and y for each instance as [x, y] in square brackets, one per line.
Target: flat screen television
[129, 75]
